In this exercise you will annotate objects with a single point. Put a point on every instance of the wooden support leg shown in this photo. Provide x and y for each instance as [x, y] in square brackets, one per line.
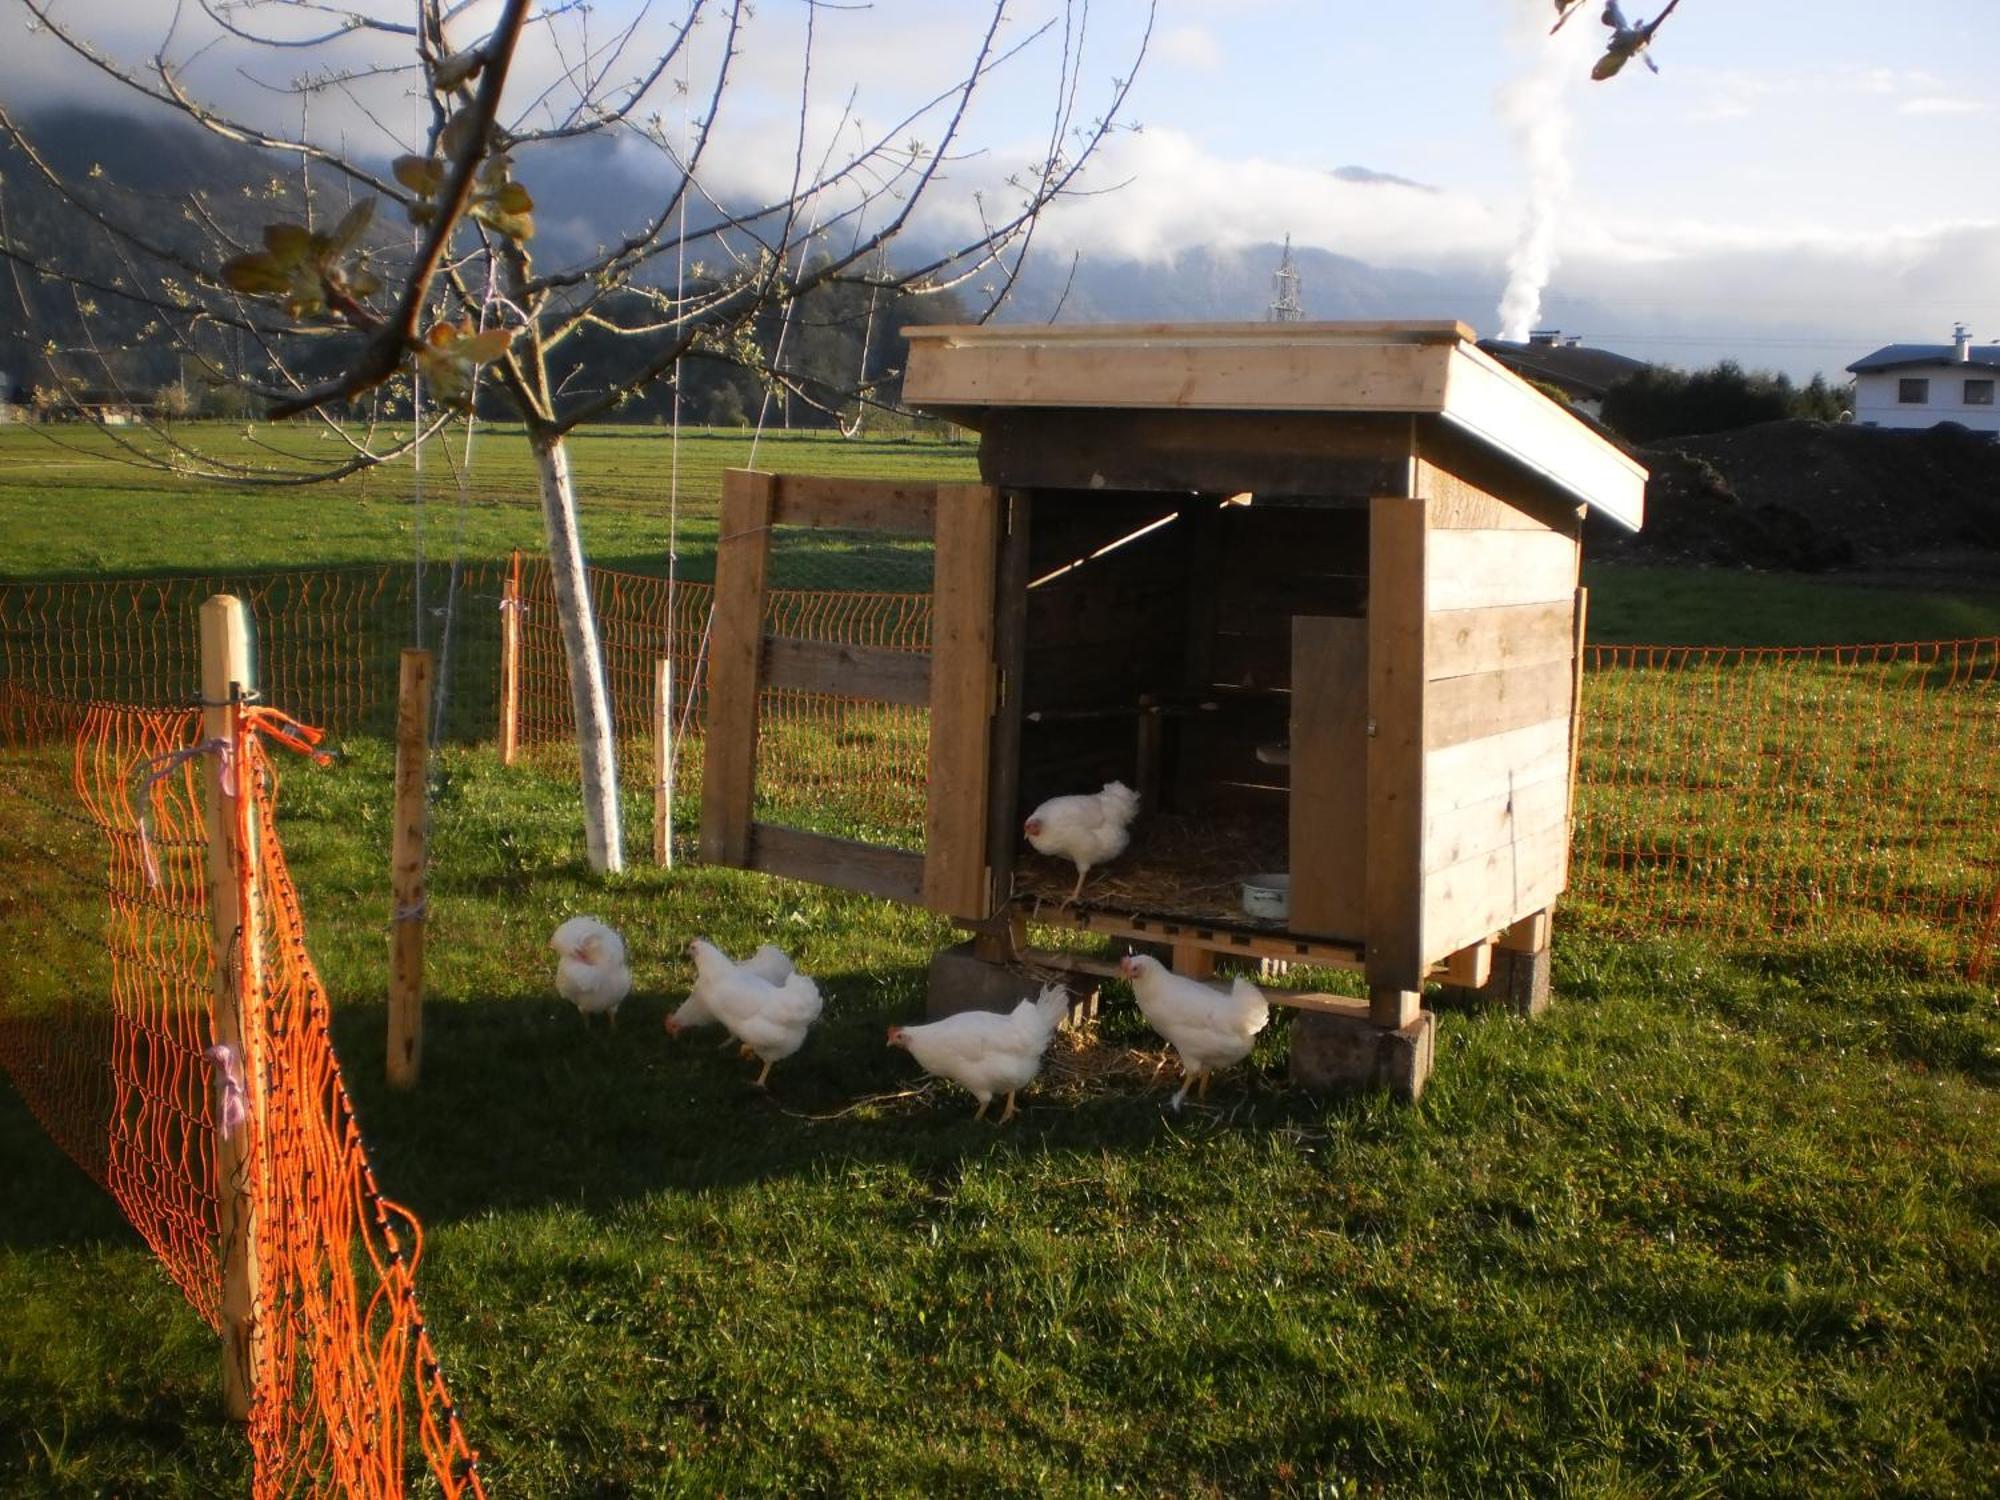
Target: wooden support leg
[1469, 968]
[1000, 940]
[1393, 1008]
[1192, 961]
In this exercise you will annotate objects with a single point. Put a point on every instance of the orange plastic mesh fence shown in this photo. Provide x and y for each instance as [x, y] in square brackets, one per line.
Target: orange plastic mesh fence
[106, 1004]
[1740, 791]
[827, 763]
[1826, 790]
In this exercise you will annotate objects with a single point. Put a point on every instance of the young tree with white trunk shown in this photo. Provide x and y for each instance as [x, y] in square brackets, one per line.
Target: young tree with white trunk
[304, 294]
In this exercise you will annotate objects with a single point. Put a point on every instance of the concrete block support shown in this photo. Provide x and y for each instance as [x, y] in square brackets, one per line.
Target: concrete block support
[1335, 1052]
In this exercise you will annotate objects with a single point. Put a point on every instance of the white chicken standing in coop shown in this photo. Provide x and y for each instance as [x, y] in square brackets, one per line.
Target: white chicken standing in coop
[769, 1020]
[1209, 1028]
[1090, 829]
[987, 1052]
[769, 963]
[591, 973]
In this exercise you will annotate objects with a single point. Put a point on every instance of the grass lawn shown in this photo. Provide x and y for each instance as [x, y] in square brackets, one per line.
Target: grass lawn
[72, 507]
[1721, 1223]
[1715, 1225]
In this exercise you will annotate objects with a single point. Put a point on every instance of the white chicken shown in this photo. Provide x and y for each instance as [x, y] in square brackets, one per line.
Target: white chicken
[1209, 1028]
[769, 963]
[1088, 829]
[769, 1020]
[986, 1052]
[591, 973]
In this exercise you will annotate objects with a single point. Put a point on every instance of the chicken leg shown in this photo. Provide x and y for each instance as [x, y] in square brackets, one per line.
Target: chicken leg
[763, 1075]
[1008, 1113]
[1082, 873]
[980, 1113]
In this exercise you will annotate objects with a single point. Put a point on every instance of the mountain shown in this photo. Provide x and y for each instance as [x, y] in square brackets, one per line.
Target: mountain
[1208, 284]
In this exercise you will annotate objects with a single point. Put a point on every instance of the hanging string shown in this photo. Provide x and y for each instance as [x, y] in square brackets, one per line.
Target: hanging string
[677, 727]
[463, 474]
[417, 502]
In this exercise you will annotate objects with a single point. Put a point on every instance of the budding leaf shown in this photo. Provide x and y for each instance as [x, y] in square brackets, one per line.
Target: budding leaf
[420, 174]
[288, 243]
[459, 67]
[256, 275]
[353, 224]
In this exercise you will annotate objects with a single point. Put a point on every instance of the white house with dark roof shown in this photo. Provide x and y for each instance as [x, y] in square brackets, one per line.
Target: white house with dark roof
[1921, 385]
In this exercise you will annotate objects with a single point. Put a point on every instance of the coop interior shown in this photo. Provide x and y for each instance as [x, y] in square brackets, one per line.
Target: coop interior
[1157, 651]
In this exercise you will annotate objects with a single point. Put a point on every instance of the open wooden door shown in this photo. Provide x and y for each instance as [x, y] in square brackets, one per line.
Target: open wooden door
[955, 680]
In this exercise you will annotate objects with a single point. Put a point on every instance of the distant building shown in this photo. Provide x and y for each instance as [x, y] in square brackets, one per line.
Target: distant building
[1921, 385]
[1583, 375]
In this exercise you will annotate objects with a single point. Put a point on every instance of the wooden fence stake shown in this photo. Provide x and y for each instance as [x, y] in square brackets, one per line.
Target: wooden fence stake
[228, 676]
[406, 873]
[663, 762]
[510, 666]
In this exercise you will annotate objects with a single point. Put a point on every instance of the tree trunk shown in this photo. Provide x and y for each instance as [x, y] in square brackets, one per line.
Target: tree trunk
[597, 752]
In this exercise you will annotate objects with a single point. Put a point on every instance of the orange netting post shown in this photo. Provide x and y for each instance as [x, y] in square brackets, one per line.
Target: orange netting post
[227, 680]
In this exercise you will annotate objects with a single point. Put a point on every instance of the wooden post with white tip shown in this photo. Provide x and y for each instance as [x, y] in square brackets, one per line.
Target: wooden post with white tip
[663, 762]
[228, 677]
[510, 665]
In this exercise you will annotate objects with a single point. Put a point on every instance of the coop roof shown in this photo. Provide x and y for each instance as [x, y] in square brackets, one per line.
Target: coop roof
[1423, 369]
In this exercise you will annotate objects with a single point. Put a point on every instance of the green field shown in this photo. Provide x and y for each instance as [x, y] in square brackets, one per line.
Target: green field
[1725, 1222]
[73, 504]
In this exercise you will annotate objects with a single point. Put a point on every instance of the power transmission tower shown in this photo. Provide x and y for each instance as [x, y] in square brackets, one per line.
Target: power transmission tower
[1285, 306]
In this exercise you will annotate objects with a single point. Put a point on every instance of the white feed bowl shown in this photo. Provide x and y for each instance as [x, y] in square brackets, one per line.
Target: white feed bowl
[1268, 896]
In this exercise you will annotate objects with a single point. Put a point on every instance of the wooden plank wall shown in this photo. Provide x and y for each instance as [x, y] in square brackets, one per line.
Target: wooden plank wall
[962, 700]
[1501, 651]
[1329, 779]
[742, 561]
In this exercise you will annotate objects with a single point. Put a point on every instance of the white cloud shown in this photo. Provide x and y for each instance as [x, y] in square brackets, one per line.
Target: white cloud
[1189, 47]
[1943, 105]
[1176, 194]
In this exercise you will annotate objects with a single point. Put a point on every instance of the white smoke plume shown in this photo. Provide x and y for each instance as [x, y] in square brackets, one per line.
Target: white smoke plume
[1535, 108]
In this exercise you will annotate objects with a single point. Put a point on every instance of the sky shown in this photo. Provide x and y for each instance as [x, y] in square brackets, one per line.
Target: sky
[1803, 181]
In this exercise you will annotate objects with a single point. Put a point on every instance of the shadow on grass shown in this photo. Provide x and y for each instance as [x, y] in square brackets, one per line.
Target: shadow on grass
[521, 1106]
[46, 1200]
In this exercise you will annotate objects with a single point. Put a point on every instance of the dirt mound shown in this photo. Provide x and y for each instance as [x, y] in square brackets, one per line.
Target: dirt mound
[1813, 496]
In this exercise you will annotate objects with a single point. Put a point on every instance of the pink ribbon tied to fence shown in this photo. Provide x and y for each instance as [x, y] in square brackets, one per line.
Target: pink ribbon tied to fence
[156, 769]
[233, 1097]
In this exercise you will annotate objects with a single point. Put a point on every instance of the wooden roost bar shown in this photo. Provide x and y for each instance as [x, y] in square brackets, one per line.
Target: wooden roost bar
[1310, 589]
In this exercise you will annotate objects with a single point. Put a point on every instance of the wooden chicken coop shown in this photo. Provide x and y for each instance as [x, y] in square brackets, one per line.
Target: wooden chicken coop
[1310, 589]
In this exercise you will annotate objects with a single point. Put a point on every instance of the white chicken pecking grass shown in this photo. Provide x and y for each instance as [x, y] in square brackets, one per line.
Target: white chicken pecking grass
[987, 1052]
[1089, 829]
[769, 963]
[769, 1020]
[1209, 1028]
[591, 972]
